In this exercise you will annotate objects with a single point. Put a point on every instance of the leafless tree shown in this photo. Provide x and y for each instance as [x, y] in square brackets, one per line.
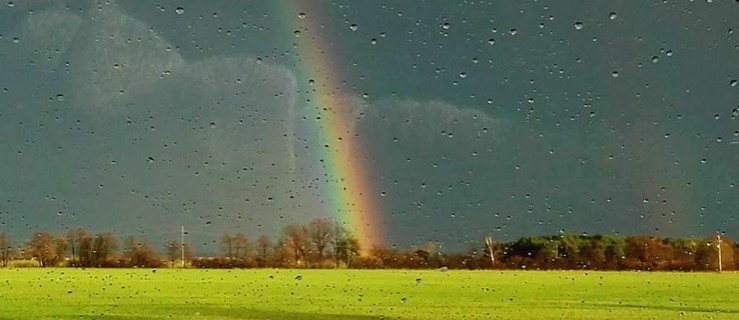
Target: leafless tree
[42, 247]
[138, 253]
[241, 246]
[297, 240]
[345, 245]
[263, 244]
[228, 247]
[320, 231]
[104, 245]
[173, 249]
[75, 237]
[6, 249]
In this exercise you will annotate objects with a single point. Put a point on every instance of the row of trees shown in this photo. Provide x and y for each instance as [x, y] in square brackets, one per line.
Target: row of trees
[323, 243]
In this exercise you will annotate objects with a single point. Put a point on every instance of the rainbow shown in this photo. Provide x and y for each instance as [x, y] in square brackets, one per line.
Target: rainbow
[350, 194]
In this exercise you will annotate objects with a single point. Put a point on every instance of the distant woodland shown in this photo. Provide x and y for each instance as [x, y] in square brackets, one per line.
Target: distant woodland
[323, 243]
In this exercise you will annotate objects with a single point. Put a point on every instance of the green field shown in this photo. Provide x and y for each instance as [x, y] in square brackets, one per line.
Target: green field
[363, 294]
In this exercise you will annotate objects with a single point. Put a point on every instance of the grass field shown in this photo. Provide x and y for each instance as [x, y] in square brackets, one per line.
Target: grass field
[363, 294]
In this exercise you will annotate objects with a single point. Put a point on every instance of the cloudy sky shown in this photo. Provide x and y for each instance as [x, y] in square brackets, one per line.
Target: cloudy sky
[475, 118]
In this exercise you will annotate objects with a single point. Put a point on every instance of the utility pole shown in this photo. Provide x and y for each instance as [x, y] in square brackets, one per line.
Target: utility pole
[720, 263]
[182, 246]
[489, 244]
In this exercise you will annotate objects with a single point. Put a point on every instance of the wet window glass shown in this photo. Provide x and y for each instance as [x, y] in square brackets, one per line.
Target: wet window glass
[255, 141]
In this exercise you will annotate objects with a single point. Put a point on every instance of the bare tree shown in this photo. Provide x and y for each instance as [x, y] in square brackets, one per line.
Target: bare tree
[85, 251]
[174, 248]
[320, 231]
[297, 240]
[104, 245]
[6, 249]
[241, 246]
[263, 244]
[42, 247]
[228, 247]
[345, 245]
[339, 243]
[60, 249]
[75, 237]
[138, 253]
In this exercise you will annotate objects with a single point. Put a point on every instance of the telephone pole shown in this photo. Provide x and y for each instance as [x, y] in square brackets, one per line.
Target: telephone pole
[489, 244]
[720, 263]
[182, 246]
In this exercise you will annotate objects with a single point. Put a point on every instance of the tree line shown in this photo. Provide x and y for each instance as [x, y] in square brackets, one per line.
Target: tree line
[323, 243]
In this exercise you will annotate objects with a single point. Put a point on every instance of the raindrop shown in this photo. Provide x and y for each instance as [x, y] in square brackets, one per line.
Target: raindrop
[179, 10]
[463, 75]
[11, 4]
[418, 280]
[353, 27]
[612, 16]
[669, 53]
[733, 83]
[614, 74]
[301, 15]
[16, 40]
[655, 59]
[299, 277]
[513, 32]
[59, 97]
[491, 41]
[579, 25]
[446, 26]
[296, 33]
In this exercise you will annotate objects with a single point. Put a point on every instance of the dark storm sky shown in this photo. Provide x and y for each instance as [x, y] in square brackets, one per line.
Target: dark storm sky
[510, 119]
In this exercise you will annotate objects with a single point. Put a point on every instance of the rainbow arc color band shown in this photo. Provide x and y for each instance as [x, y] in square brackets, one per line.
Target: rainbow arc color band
[351, 195]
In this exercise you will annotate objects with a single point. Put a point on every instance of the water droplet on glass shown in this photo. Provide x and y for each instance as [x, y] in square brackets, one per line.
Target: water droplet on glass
[11, 4]
[179, 10]
[491, 41]
[59, 97]
[733, 83]
[16, 40]
[301, 15]
[655, 59]
[353, 27]
[446, 26]
[513, 32]
[669, 53]
[296, 33]
[463, 75]
[579, 25]
[612, 16]
[614, 74]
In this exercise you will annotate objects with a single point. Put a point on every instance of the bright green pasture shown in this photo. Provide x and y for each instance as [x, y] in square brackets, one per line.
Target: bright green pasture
[363, 294]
